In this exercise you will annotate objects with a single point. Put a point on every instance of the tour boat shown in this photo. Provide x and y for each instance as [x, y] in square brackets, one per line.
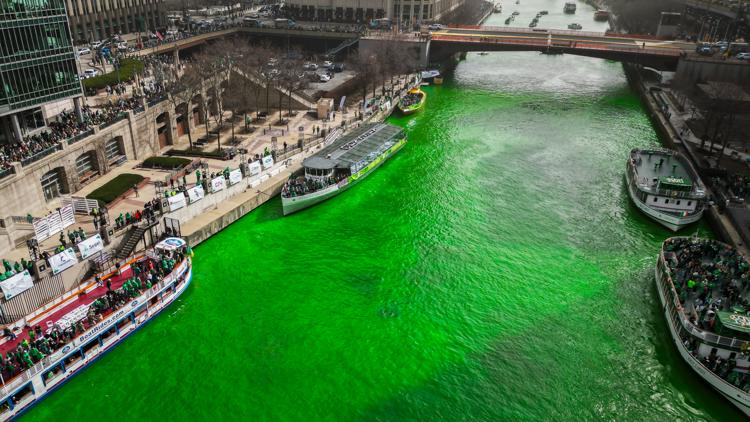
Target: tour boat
[100, 326]
[570, 7]
[705, 309]
[601, 15]
[543, 12]
[665, 187]
[412, 102]
[509, 20]
[497, 8]
[575, 26]
[341, 164]
[516, 13]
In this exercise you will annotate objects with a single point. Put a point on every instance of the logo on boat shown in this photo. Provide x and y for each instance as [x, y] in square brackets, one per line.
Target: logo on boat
[66, 349]
[134, 303]
[740, 320]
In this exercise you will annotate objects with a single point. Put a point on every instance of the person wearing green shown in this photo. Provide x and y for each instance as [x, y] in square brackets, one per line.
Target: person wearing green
[197, 176]
[17, 267]
[81, 234]
[72, 237]
[6, 264]
[691, 284]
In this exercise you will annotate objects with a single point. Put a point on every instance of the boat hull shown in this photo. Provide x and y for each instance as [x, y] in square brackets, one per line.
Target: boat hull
[42, 390]
[716, 383]
[671, 222]
[298, 203]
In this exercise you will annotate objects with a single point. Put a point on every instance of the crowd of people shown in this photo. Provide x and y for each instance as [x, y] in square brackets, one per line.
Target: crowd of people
[301, 185]
[36, 343]
[148, 213]
[710, 277]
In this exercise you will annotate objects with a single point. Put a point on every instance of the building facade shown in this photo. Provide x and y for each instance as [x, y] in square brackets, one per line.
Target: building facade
[92, 20]
[362, 11]
[37, 64]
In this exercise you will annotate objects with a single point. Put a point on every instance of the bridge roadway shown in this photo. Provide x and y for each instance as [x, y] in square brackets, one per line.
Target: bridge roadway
[648, 51]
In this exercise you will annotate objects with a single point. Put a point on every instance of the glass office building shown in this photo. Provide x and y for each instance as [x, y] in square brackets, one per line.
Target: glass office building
[37, 60]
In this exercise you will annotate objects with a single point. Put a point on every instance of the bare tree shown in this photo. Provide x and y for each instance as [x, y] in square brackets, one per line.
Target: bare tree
[215, 65]
[181, 86]
[250, 64]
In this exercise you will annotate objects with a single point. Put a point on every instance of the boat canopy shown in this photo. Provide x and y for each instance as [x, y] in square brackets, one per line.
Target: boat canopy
[319, 163]
[675, 183]
[729, 322]
[353, 147]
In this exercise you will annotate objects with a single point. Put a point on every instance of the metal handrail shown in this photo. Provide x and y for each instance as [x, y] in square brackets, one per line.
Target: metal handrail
[41, 154]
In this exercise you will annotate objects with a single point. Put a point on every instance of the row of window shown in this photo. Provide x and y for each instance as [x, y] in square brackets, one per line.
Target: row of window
[677, 202]
[20, 9]
[39, 81]
[30, 41]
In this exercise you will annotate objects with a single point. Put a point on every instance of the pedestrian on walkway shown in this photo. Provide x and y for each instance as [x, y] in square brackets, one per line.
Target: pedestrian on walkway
[135, 189]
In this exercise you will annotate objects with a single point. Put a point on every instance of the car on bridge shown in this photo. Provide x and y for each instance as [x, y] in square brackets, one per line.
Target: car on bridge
[742, 56]
[435, 27]
[704, 50]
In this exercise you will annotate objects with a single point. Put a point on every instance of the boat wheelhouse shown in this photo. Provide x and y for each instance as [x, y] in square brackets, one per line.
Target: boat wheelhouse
[341, 164]
[665, 187]
[702, 285]
[570, 7]
[83, 324]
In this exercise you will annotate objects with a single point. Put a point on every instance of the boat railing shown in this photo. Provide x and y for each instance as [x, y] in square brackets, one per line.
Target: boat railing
[47, 361]
[676, 317]
[671, 299]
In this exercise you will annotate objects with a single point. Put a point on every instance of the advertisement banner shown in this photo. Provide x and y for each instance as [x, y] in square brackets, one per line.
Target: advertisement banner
[196, 193]
[90, 246]
[67, 216]
[254, 168]
[17, 284]
[176, 202]
[217, 184]
[267, 161]
[235, 176]
[63, 261]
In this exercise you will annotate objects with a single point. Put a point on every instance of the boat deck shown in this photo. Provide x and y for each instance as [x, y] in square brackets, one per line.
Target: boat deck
[648, 167]
[52, 318]
[710, 279]
[354, 146]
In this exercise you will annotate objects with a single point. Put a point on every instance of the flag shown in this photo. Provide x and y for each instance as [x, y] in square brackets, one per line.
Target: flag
[159, 36]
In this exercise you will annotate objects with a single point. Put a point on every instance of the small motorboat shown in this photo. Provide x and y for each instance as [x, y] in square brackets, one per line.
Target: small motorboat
[412, 102]
[575, 26]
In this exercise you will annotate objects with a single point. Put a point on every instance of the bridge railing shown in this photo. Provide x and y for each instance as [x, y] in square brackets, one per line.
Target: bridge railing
[529, 30]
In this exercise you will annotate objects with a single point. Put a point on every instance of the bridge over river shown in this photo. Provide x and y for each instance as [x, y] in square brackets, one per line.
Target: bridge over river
[646, 51]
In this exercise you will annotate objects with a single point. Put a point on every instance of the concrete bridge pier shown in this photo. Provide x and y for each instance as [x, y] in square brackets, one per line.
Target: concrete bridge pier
[419, 48]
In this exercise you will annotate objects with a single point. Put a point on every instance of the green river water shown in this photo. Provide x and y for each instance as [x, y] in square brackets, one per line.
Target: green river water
[493, 270]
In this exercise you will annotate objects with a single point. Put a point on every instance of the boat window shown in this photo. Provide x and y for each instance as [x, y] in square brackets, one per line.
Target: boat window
[72, 359]
[93, 343]
[107, 334]
[22, 393]
[666, 201]
[678, 202]
[123, 323]
[52, 373]
[656, 199]
[690, 203]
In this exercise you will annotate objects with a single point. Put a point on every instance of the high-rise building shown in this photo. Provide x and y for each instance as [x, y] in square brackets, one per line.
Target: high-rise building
[37, 64]
[362, 11]
[92, 20]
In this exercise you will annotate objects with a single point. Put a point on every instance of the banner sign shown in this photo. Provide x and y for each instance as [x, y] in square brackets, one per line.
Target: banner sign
[341, 104]
[254, 168]
[55, 223]
[90, 246]
[17, 284]
[235, 176]
[177, 201]
[41, 229]
[62, 261]
[196, 193]
[67, 216]
[267, 161]
[217, 184]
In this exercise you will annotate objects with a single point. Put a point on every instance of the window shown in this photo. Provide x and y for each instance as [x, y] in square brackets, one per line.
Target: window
[52, 185]
[666, 201]
[678, 202]
[690, 203]
[113, 149]
[85, 164]
[656, 199]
